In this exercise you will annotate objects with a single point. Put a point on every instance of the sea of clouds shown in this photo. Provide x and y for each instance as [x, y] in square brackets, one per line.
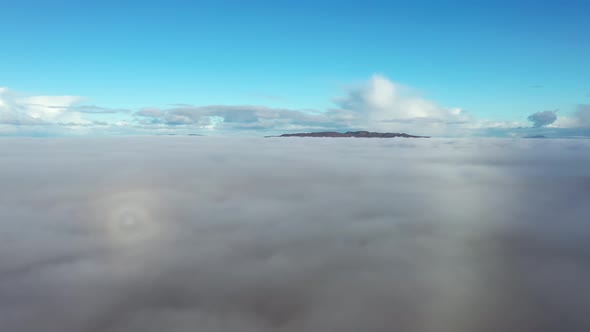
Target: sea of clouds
[210, 234]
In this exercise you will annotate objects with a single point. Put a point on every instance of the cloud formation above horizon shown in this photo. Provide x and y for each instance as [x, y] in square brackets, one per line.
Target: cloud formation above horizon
[384, 105]
[182, 234]
[18, 109]
[543, 118]
[378, 105]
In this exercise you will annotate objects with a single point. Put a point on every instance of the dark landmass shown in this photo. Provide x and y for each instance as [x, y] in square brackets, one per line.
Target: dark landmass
[536, 136]
[362, 134]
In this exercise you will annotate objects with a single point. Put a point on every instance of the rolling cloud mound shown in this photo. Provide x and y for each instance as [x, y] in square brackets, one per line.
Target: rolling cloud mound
[256, 235]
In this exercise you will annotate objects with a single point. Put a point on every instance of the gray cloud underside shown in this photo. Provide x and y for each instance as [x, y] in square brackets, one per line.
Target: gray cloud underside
[246, 117]
[214, 235]
[531, 131]
[582, 115]
[543, 118]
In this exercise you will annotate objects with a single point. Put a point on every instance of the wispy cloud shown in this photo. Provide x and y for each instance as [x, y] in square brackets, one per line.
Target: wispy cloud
[267, 96]
[19, 109]
[93, 109]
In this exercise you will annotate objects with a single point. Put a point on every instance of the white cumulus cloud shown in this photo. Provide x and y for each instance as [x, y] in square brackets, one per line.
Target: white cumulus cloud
[19, 109]
[381, 104]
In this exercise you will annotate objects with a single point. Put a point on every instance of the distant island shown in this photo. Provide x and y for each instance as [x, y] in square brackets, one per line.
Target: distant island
[360, 134]
[536, 136]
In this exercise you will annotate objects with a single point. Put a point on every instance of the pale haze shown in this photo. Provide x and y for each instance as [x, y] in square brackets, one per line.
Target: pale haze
[294, 234]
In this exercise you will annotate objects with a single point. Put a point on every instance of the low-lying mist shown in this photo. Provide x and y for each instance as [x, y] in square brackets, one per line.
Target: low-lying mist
[294, 234]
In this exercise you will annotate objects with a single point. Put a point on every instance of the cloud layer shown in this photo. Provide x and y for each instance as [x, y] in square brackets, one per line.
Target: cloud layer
[184, 234]
[379, 104]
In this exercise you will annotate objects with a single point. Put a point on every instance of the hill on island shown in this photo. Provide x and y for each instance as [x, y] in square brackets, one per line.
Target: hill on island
[360, 134]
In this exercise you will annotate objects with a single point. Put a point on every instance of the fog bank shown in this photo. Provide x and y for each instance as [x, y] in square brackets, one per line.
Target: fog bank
[208, 234]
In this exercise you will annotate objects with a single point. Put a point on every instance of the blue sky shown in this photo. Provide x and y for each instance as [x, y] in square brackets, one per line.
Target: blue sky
[497, 61]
